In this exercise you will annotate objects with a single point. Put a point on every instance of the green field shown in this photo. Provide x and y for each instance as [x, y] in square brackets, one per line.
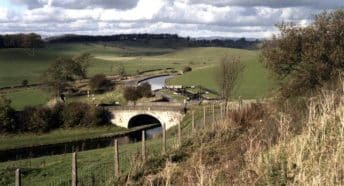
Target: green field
[253, 83]
[16, 65]
[56, 136]
[26, 97]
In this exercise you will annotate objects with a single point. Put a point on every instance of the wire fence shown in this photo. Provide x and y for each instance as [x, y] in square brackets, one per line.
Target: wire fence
[97, 167]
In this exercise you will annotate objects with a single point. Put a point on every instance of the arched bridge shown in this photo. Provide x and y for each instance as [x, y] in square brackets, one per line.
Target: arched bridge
[138, 115]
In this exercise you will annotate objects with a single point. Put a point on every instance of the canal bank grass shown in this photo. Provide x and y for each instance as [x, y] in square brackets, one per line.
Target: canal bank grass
[93, 165]
[111, 97]
[27, 97]
[12, 141]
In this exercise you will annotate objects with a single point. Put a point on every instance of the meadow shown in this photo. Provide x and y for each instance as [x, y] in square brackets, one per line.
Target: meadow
[16, 65]
[254, 82]
[10, 141]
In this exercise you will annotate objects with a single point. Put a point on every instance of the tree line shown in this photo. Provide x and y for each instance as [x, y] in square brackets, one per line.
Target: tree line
[156, 40]
[31, 40]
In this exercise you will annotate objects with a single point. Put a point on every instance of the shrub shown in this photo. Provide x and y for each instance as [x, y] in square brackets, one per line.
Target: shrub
[36, 119]
[135, 93]
[131, 94]
[145, 90]
[84, 115]
[7, 116]
[97, 116]
[187, 69]
[246, 116]
[74, 114]
[57, 116]
[99, 82]
[25, 82]
[307, 58]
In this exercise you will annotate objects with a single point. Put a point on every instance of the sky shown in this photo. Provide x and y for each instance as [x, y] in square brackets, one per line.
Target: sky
[194, 18]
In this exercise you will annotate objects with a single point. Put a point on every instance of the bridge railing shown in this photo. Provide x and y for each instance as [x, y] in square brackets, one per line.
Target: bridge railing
[147, 108]
[150, 106]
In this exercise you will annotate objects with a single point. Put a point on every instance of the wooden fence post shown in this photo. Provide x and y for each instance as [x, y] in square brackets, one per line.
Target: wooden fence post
[193, 121]
[143, 146]
[116, 158]
[74, 169]
[179, 135]
[163, 138]
[221, 111]
[204, 116]
[240, 103]
[18, 178]
[213, 113]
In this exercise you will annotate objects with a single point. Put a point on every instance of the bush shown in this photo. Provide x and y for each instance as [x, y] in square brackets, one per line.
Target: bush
[98, 117]
[249, 114]
[131, 94]
[74, 114]
[145, 90]
[36, 119]
[187, 69]
[99, 82]
[83, 115]
[57, 116]
[305, 59]
[25, 82]
[7, 116]
[135, 93]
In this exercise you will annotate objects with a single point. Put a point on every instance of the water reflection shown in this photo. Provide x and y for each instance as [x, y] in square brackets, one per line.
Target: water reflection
[156, 83]
[150, 134]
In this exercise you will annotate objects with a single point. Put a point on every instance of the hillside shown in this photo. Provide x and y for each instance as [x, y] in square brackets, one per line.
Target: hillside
[16, 65]
[261, 145]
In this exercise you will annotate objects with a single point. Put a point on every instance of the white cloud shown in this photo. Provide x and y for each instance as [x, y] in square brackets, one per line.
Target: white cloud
[249, 18]
[78, 4]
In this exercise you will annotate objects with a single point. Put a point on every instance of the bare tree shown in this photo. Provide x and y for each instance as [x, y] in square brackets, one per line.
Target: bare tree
[229, 69]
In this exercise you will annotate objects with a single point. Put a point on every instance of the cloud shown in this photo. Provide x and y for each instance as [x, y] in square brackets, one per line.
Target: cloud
[319, 4]
[195, 18]
[79, 4]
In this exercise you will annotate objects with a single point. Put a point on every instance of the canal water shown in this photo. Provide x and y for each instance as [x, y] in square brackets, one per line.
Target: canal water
[156, 83]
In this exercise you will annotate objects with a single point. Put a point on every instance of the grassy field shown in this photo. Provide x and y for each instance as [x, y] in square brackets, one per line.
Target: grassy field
[56, 136]
[16, 65]
[253, 83]
[26, 97]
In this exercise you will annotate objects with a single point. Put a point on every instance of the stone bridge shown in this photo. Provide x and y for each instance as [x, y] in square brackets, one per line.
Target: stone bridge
[133, 116]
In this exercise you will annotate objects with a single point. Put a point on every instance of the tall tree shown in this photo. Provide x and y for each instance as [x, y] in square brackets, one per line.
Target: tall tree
[66, 69]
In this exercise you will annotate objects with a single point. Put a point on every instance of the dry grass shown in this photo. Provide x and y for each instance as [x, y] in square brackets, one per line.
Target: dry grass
[254, 145]
[316, 156]
[257, 145]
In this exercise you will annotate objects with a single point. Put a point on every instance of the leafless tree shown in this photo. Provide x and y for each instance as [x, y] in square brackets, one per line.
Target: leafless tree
[229, 69]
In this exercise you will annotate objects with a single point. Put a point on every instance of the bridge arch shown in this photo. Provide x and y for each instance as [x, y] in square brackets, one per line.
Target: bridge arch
[142, 119]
